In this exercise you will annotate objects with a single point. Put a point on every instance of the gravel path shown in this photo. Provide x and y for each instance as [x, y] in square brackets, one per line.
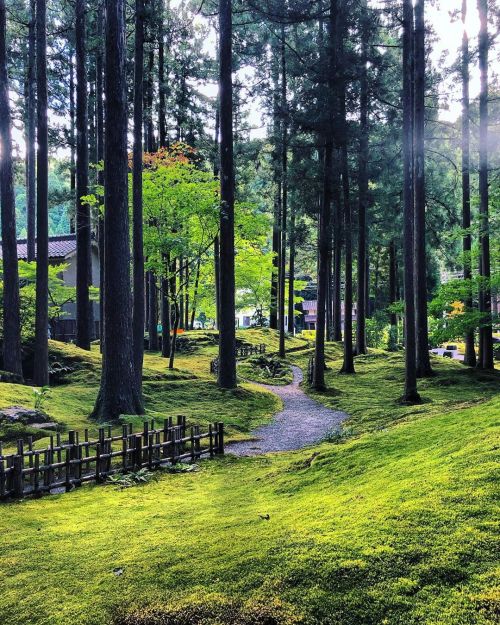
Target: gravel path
[302, 422]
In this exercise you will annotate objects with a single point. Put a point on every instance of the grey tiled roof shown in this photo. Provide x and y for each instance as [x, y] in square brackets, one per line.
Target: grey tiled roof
[59, 247]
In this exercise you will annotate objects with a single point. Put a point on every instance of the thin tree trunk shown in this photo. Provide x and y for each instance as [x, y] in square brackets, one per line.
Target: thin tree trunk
[72, 140]
[137, 208]
[284, 197]
[348, 364]
[186, 298]
[181, 292]
[423, 359]
[119, 392]
[276, 247]
[227, 337]
[217, 239]
[41, 360]
[410, 392]
[393, 320]
[165, 309]
[83, 242]
[195, 293]
[173, 343]
[363, 190]
[291, 273]
[153, 311]
[485, 331]
[470, 351]
[12, 361]
[31, 136]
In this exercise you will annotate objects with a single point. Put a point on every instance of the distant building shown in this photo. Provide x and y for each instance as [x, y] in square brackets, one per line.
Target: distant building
[309, 308]
[62, 250]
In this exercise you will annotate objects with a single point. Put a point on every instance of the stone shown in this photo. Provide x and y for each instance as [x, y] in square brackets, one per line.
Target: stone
[26, 416]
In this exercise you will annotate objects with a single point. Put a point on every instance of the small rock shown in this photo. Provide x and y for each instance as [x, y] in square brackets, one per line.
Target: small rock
[50, 425]
[26, 416]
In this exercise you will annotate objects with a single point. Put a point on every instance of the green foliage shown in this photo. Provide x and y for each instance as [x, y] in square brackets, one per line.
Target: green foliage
[266, 369]
[132, 478]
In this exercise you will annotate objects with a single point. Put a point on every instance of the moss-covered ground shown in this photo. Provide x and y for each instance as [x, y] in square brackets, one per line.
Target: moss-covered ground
[394, 524]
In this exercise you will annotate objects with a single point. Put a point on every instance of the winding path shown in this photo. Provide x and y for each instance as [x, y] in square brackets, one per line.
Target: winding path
[302, 422]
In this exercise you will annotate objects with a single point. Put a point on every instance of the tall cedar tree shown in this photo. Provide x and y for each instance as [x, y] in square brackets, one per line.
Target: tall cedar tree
[137, 216]
[273, 310]
[410, 392]
[227, 338]
[470, 351]
[284, 198]
[119, 391]
[348, 363]
[485, 331]
[11, 317]
[422, 334]
[83, 238]
[99, 69]
[324, 218]
[31, 135]
[41, 361]
[362, 185]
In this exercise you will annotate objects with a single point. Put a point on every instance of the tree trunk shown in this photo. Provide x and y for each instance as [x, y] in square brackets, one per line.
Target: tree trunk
[31, 136]
[337, 251]
[72, 140]
[186, 298]
[470, 351]
[153, 311]
[363, 189]
[485, 331]
[100, 157]
[284, 198]
[410, 392]
[83, 253]
[162, 121]
[137, 210]
[173, 343]
[227, 338]
[41, 361]
[276, 247]
[165, 309]
[181, 292]
[393, 319]
[422, 339]
[119, 392]
[195, 293]
[348, 364]
[217, 239]
[11, 320]
[291, 274]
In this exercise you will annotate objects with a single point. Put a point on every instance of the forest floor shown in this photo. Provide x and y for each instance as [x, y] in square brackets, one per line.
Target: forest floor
[392, 521]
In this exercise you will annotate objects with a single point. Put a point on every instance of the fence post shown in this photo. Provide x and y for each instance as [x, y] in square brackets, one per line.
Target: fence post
[124, 446]
[138, 452]
[36, 481]
[192, 445]
[220, 446]
[68, 470]
[211, 440]
[197, 444]
[2, 479]
[71, 443]
[17, 481]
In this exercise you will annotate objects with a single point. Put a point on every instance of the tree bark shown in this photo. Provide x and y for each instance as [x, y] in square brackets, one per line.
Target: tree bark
[195, 293]
[422, 333]
[165, 309]
[100, 157]
[363, 189]
[31, 136]
[153, 312]
[41, 360]
[485, 331]
[12, 361]
[276, 247]
[410, 391]
[337, 250]
[119, 391]
[227, 337]
[162, 121]
[470, 351]
[72, 141]
[83, 242]
[284, 198]
[137, 209]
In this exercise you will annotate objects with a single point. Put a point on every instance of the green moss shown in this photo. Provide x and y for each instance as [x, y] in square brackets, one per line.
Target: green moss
[371, 396]
[398, 525]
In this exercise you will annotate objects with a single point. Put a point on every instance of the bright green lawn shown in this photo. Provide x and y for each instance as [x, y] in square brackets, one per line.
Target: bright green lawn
[398, 526]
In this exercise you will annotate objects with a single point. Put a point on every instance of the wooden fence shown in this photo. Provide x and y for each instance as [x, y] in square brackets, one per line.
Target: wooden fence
[240, 352]
[64, 465]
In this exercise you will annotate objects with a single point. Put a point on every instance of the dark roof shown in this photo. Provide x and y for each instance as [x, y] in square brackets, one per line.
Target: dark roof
[60, 247]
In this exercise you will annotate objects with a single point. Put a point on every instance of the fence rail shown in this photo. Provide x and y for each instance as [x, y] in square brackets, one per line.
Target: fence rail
[240, 352]
[64, 465]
